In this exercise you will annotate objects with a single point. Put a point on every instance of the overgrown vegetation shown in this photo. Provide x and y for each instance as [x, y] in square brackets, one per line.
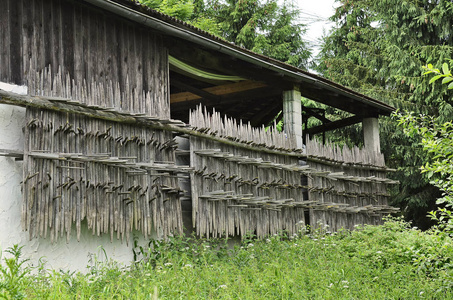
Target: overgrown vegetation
[392, 261]
[379, 48]
[436, 140]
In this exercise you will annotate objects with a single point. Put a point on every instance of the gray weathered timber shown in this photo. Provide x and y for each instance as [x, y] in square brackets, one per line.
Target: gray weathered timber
[238, 191]
[117, 177]
[103, 60]
[347, 193]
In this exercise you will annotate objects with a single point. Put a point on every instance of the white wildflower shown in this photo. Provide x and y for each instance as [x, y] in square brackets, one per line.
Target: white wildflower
[223, 286]
[168, 264]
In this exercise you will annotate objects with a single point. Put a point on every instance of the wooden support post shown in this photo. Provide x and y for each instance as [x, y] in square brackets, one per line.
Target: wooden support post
[371, 134]
[292, 115]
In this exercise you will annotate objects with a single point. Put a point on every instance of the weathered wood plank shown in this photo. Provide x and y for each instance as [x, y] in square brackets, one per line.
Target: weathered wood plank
[218, 90]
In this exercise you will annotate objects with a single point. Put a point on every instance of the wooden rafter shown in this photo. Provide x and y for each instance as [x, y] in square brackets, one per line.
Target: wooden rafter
[194, 90]
[334, 125]
[218, 91]
[310, 111]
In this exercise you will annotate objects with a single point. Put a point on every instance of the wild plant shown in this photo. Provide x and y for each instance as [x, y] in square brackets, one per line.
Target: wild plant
[13, 274]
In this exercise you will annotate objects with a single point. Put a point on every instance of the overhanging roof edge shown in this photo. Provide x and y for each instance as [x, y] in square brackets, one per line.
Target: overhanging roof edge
[185, 33]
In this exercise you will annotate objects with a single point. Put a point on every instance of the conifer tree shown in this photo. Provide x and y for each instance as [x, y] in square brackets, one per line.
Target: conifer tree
[379, 48]
[265, 27]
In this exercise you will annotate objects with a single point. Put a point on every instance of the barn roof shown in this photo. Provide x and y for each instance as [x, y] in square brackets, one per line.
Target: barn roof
[259, 82]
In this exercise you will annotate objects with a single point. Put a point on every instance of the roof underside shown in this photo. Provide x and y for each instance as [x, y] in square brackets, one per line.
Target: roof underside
[255, 96]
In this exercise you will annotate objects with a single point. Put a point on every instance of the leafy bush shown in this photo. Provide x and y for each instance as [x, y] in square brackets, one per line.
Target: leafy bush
[437, 143]
[391, 261]
[12, 274]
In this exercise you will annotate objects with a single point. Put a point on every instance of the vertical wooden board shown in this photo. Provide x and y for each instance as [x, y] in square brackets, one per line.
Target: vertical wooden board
[166, 83]
[123, 63]
[85, 69]
[4, 42]
[36, 39]
[162, 79]
[15, 42]
[27, 35]
[112, 53]
[138, 41]
[94, 59]
[79, 46]
[147, 54]
[131, 61]
[102, 53]
[56, 46]
[68, 40]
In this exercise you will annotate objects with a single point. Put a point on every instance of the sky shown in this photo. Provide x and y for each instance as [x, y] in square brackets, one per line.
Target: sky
[315, 14]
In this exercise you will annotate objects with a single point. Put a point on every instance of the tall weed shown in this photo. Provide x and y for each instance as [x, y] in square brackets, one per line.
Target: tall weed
[13, 273]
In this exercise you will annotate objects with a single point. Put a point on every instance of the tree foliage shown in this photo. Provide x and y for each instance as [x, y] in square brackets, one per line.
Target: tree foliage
[181, 9]
[437, 143]
[266, 27]
[379, 48]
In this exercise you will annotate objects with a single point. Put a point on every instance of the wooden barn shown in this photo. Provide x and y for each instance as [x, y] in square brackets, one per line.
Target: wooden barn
[119, 122]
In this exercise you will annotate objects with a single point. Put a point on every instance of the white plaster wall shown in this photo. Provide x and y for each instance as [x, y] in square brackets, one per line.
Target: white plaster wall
[72, 256]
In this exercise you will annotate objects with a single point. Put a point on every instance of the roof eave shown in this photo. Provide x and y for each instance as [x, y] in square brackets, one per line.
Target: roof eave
[183, 32]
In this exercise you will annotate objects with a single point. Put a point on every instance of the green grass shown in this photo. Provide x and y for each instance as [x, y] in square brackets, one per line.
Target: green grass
[374, 262]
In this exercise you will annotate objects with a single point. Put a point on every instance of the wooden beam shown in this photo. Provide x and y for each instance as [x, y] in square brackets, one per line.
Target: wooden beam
[312, 113]
[333, 100]
[70, 106]
[225, 64]
[193, 90]
[334, 125]
[17, 154]
[218, 90]
[257, 119]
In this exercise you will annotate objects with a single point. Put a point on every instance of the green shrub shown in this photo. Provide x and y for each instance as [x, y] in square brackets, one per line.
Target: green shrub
[391, 261]
[12, 274]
